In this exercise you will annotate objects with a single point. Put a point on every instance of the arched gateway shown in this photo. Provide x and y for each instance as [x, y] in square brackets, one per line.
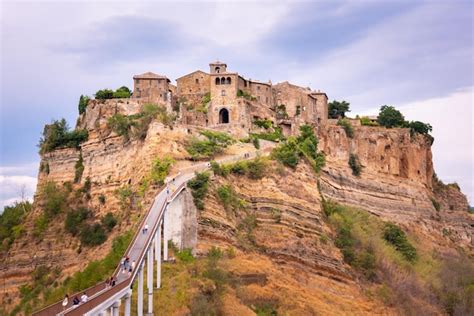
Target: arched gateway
[223, 116]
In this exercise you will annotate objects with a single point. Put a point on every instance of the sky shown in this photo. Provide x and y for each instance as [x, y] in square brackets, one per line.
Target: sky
[414, 55]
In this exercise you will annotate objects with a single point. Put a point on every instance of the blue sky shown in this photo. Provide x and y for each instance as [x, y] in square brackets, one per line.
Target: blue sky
[416, 55]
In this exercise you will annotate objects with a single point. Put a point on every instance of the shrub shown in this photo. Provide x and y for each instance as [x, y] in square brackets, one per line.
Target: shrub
[344, 123]
[397, 238]
[226, 195]
[74, 220]
[54, 199]
[220, 170]
[120, 124]
[338, 109]
[266, 124]
[102, 199]
[287, 153]
[125, 195]
[281, 112]
[11, 220]
[79, 169]
[199, 187]
[436, 204]
[256, 142]
[204, 149]
[274, 136]
[104, 94]
[390, 117]
[355, 165]
[185, 255]
[93, 235]
[365, 121]
[83, 101]
[57, 135]
[161, 169]
[256, 168]
[246, 95]
[122, 93]
[109, 221]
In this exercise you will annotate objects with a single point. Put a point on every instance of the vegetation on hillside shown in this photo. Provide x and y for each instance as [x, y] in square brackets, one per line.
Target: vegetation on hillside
[355, 164]
[271, 133]
[253, 169]
[11, 223]
[400, 273]
[136, 126]
[246, 95]
[199, 187]
[347, 126]
[304, 146]
[121, 93]
[57, 135]
[83, 101]
[213, 144]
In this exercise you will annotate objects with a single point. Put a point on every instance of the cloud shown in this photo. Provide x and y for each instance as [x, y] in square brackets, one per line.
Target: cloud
[16, 183]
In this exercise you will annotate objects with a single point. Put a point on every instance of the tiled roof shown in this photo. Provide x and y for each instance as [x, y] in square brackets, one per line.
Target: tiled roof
[149, 75]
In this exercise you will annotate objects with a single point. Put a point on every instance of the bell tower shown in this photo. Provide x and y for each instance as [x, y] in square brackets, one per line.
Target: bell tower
[217, 67]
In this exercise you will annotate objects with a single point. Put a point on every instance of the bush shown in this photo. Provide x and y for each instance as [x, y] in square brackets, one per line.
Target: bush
[78, 169]
[122, 93]
[199, 187]
[74, 220]
[54, 199]
[397, 238]
[266, 124]
[355, 165]
[274, 136]
[104, 94]
[120, 124]
[57, 135]
[256, 142]
[83, 101]
[338, 109]
[11, 220]
[436, 204]
[281, 113]
[256, 168]
[344, 123]
[365, 121]
[245, 95]
[226, 195]
[93, 235]
[109, 221]
[161, 169]
[205, 149]
[390, 117]
[287, 153]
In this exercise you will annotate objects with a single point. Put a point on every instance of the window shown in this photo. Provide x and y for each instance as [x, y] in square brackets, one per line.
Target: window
[228, 80]
[218, 81]
[222, 80]
[217, 69]
[258, 87]
[266, 100]
[223, 93]
[197, 80]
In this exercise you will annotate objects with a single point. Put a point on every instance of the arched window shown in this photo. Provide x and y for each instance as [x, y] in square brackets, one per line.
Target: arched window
[223, 116]
[223, 93]
[218, 81]
[222, 80]
[228, 80]
[218, 70]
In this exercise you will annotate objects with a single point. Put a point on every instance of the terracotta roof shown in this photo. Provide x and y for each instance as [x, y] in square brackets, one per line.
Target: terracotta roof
[149, 75]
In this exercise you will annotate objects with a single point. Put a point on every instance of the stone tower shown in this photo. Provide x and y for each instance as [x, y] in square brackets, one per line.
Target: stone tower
[217, 67]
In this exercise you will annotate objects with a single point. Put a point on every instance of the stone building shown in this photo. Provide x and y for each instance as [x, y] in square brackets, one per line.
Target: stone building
[226, 100]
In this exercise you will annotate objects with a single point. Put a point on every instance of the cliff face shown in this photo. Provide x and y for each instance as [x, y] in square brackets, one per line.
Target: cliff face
[395, 182]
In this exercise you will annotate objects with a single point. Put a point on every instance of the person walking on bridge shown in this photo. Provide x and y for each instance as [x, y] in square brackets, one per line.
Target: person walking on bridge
[65, 301]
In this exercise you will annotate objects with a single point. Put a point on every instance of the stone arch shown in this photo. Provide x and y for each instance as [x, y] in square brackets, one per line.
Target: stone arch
[228, 80]
[218, 81]
[223, 116]
[223, 80]
[217, 69]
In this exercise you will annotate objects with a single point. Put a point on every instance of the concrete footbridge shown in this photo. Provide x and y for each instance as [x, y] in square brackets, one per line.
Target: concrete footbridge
[147, 249]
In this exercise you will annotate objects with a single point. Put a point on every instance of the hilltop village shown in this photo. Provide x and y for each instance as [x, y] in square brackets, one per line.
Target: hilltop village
[226, 100]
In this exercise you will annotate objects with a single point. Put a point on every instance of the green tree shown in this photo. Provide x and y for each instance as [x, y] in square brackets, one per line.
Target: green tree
[57, 135]
[83, 101]
[104, 94]
[122, 93]
[390, 117]
[420, 127]
[338, 109]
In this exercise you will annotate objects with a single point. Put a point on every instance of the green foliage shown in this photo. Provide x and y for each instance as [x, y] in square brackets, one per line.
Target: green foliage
[287, 153]
[161, 169]
[215, 143]
[109, 221]
[102, 199]
[125, 195]
[75, 219]
[256, 142]
[120, 124]
[281, 113]
[11, 223]
[57, 135]
[122, 93]
[83, 101]
[436, 204]
[355, 165]
[390, 117]
[256, 168]
[396, 237]
[93, 235]
[266, 124]
[104, 94]
[199, 187]
[204, 106]
[40, 225]
[228, 197]
[185, 255]
[54, 199]
[347, 127]
[78, 168]
[365, 121]
[246, 95]
[305, 145]
[417, 127]
[273, 136]
[338, 109]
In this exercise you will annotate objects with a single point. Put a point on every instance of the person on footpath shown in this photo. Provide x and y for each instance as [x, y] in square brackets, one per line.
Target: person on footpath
[65, 301]
[84, 297]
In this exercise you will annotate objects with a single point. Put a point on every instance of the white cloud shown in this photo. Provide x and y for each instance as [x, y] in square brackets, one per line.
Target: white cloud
[452, 120]
[16, 183]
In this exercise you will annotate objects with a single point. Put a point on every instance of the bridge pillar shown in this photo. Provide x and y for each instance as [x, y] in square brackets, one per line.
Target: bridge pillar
[158, 256]
[140, 292]
[128, 304]
[149, 279]
[165, 234]
[115, 308]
